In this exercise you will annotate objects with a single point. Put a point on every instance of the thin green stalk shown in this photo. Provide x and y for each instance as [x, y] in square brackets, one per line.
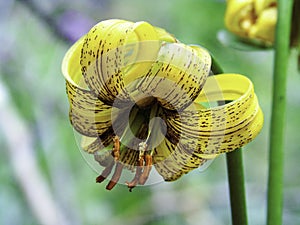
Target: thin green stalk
[276, 154]
[235, 171]
[237, 187]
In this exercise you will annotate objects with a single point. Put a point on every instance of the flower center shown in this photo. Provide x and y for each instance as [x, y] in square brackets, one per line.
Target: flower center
[140, 134]
[146, 102]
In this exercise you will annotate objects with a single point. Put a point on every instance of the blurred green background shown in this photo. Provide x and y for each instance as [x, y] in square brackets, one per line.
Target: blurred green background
[44, 178]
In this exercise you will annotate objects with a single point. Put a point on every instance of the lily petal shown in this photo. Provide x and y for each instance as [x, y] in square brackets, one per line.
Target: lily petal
[109, 66]
[100, 78]
[178, 76]
[218, 129]
[172, 161]
[88, 115]
[265, 25]
[260, 5]
[252, 19]
[239, 16]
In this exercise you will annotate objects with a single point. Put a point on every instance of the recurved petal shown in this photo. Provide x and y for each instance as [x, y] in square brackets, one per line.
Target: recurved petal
[93, 145]
[114, 54]
[96, 61]
[88, 115]
[71, 67]
[178, 75]
[163, 35]
[172, 161]
[90, 144]
[218, 129]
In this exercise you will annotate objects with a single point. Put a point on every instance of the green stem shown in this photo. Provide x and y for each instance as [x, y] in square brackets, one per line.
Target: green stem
[237, 187]
[235, 170]
[276, 154]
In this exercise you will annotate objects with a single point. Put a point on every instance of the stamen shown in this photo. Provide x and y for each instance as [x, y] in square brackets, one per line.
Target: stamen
[147, 169]
[116, 148]
[138, 173]
[142, 148]
[105, 173]
[119, 167]
[117, 174]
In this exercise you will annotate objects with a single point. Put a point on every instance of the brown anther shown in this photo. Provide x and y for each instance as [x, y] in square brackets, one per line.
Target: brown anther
[116, 148]
[138, 173]
[119, 167]
[115, 178]
[105, 172]
[148, 165]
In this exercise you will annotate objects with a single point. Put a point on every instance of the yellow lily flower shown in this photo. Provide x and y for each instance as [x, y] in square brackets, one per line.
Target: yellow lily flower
[139, 98]
[252, 19]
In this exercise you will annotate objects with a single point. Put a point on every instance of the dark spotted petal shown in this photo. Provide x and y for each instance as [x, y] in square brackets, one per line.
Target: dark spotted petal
[219, 129]
[178, 75]
[172, 161]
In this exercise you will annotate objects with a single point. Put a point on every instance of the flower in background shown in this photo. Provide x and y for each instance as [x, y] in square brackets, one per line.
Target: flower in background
[140, 98]
[252, 19]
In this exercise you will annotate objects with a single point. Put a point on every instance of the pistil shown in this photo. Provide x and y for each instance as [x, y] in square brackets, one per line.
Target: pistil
[145, 156]
[153, 138]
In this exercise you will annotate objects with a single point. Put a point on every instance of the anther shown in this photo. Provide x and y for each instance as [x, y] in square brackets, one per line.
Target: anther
[147, 169]
[148, 163]
[116, 148]
[139, 169]
[115, 178]
[105, 172]
[138, 173]
[119, 167]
